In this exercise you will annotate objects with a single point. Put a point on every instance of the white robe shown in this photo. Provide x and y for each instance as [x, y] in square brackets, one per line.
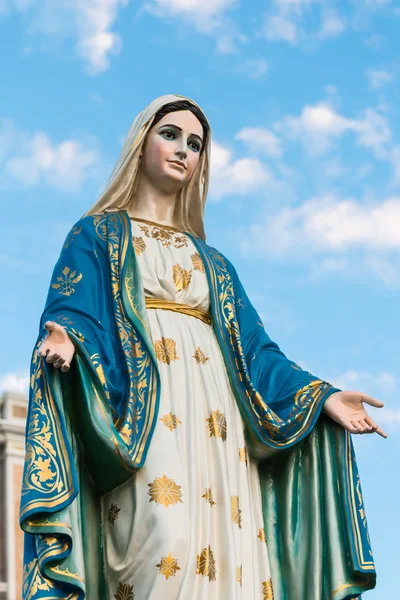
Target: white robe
[189, 525]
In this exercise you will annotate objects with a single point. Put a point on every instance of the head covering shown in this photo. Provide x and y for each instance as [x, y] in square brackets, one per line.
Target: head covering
[120, 189]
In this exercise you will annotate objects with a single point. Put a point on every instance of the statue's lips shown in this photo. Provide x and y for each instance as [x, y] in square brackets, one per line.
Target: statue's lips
[175, 162]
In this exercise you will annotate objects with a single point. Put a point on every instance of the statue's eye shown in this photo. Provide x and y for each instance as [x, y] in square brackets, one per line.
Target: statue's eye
[169, 133]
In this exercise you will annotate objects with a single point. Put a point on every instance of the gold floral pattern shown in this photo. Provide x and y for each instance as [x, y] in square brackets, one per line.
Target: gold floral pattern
[66, 282]
[217, 424]
[171, 421]
[243, 455]
[267, 591]
[239, 575]
[208, 496]
[165, 491]
[261, 535]
[166, 350]
[206, 564]
[197, 262]
[33, 580]
[200, 357]
[124, 592]
[181, 277]
[70, 237]
[139, 245]
[166, 236]
[113, 513]
[236, 512]
[168, 566]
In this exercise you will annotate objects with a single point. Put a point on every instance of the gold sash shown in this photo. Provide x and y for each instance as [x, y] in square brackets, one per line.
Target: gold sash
[178, 307]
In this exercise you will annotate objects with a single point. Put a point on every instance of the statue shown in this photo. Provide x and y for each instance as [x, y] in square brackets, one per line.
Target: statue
[172, 449]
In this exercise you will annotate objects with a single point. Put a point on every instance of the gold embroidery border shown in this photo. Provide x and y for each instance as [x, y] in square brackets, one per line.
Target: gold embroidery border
[67, 474]
[366, 565]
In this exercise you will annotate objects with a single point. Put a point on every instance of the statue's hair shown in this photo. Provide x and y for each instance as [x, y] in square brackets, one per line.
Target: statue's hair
[184, 105]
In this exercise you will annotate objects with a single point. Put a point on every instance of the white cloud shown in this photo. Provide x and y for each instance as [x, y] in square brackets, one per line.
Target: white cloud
[291, 22]
[319, 126]
[329, 224]
[279, 28]
[235, 176]
[379, 78]
[261, 140]
[88, 23]
[364, 381]
[332, 26]
[32, 158]
[253, 68]
[14, 382]
[204, 14]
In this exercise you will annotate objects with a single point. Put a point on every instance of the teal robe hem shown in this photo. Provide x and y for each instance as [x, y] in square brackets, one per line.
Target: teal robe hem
[89, 430]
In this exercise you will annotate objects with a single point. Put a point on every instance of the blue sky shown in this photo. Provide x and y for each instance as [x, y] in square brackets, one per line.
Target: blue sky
[303, 99]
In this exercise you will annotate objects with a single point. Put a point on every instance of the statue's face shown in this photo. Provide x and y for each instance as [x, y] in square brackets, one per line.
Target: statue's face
[178, 136]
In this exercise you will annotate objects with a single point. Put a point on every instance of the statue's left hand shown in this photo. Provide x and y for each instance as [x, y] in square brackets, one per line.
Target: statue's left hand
[346, 408]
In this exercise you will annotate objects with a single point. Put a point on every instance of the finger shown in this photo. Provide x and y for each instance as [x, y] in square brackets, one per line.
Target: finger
[355, 427]
[49, 325]
[371, 422]
[65, 367]
[371, 401]
[51, 358]
[367, 427]
[43, 349]
[381, 432]
[58, 363]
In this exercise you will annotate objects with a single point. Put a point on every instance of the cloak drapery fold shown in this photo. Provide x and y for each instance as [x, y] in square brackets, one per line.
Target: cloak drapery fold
[89, 430]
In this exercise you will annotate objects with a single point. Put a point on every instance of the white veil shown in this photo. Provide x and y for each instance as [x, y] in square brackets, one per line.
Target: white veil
[120, 189]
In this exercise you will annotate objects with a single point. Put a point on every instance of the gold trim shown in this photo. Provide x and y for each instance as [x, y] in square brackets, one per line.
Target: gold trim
[155, 224]
[178, 307]
[364, 564]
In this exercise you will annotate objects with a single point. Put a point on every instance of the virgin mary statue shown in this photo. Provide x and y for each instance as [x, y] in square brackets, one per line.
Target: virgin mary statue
[172, 450]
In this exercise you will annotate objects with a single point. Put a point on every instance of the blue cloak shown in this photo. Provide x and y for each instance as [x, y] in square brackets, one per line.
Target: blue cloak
[89, 429]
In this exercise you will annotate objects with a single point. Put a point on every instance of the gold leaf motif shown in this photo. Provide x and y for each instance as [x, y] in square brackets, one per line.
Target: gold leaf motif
[43, 469]
[243, 455]
[208, 496]
[181, 277]
[261, 535]
[267, 591]
[167, 237]
[217, 424]
[168, 566]
[139, 245]
[124, 592]
[66, 285]
[166, 350]
[200, 357]
[164, 491]
[197, 262]
[70, 237]
[239, 575]
[236, 512]
[171, 421]
[206, 564]
[50, 540]
[113, 513]
[78, 334]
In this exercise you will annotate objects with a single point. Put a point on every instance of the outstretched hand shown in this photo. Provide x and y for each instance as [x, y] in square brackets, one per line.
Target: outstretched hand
[346, 408]
[57, 346]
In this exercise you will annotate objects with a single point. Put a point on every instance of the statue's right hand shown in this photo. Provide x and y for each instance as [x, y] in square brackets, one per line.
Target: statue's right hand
[57, 346]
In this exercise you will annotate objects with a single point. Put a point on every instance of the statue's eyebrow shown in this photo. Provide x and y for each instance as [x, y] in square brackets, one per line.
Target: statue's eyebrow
[176, 127]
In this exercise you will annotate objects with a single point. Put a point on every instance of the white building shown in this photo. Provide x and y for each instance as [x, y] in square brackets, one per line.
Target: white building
[13, 411]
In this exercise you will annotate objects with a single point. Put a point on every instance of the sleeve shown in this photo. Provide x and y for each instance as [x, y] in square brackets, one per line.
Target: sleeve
[73, 452]
[79, 299]
[290, 398]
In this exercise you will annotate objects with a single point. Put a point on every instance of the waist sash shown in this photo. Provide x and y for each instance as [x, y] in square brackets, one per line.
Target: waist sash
[178, 307]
